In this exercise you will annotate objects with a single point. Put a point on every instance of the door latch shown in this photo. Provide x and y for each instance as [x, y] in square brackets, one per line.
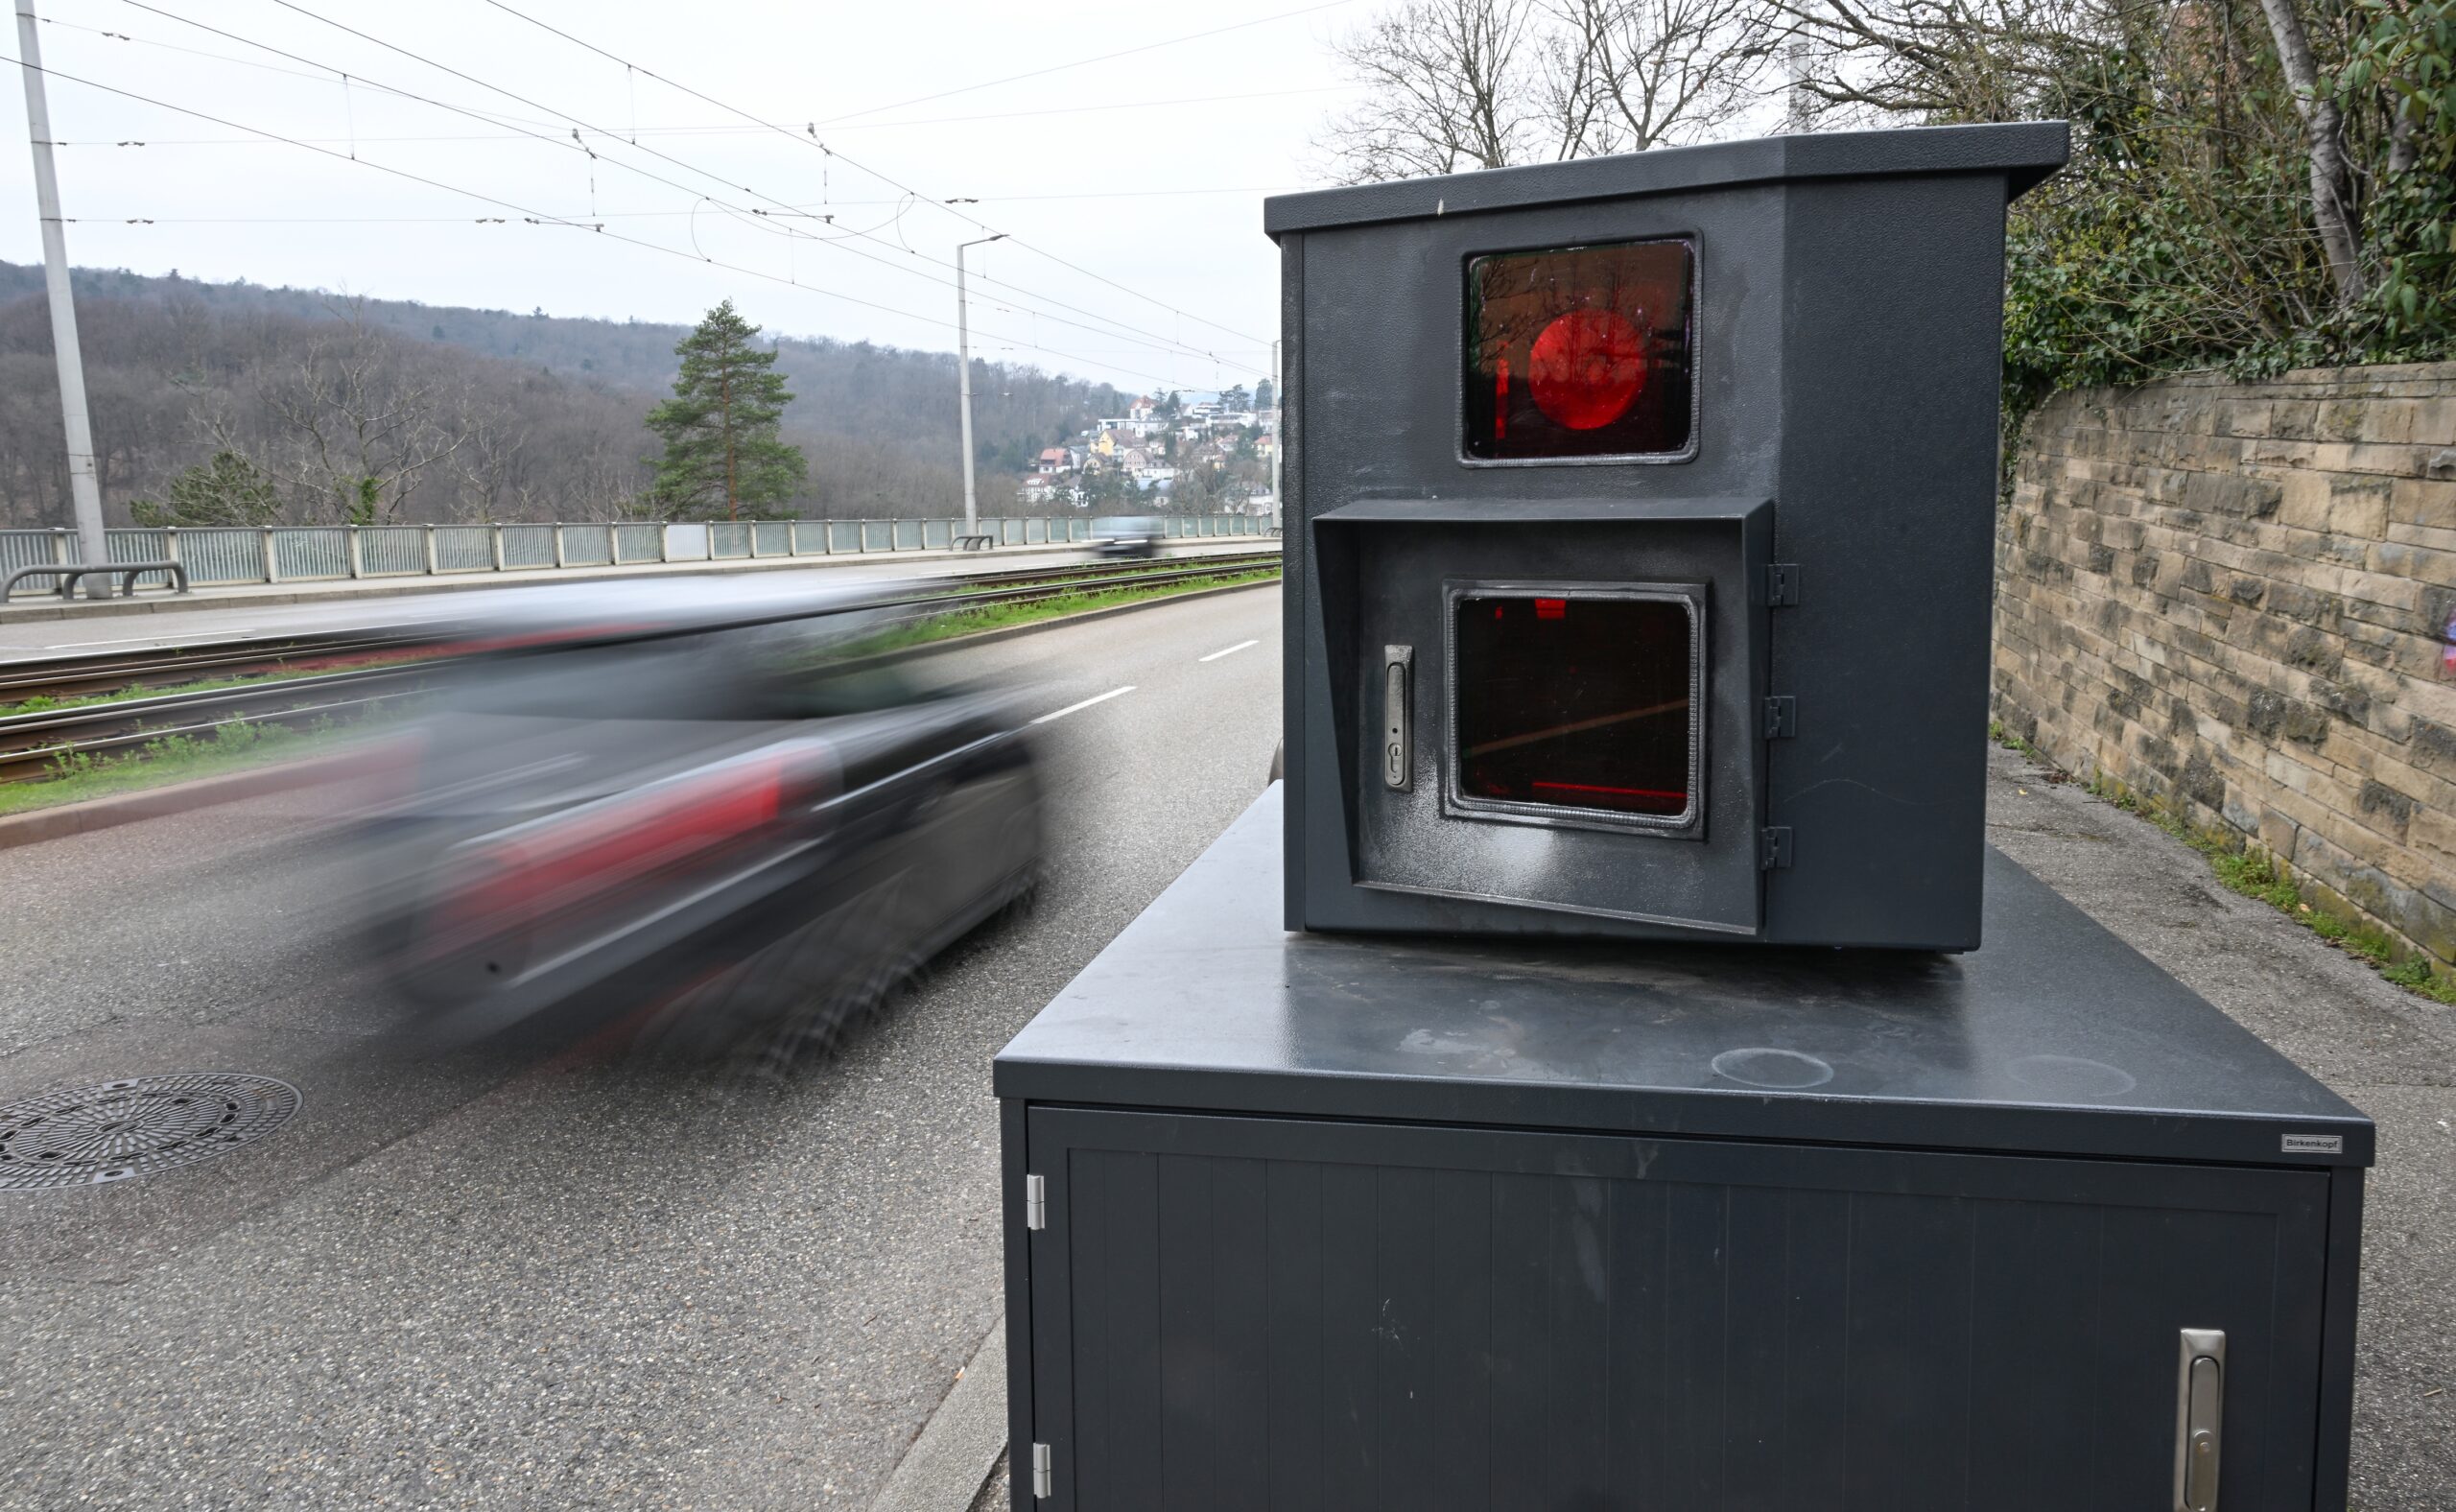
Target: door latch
[2200, 1418]
[1398, 757]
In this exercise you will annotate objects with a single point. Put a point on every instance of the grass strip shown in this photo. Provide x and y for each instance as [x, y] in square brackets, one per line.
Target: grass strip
[2255, 874]
[82, 775]
[1002, 616]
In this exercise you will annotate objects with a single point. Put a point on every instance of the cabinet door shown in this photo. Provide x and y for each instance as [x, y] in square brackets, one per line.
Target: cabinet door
[1248, 1313]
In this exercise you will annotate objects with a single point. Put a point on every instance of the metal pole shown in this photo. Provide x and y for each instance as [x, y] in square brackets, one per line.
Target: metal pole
[85, 496]
[964, 375]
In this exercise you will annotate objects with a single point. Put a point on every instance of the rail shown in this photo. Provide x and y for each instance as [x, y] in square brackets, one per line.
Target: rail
[384, 663]
[225, 555]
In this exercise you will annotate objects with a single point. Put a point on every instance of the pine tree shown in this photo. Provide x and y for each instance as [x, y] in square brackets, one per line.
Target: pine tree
[724, 456]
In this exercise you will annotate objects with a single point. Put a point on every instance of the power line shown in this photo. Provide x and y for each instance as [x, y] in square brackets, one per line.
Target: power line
[632, 133]
[538, 218]
[600, 214]
[323, 74]
[1059, 68]
[1156, 340]
[814, 141]
[1152, 340]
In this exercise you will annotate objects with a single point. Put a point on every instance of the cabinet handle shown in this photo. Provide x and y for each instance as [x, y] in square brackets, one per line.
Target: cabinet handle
[2200, 1418]
[1398, 755]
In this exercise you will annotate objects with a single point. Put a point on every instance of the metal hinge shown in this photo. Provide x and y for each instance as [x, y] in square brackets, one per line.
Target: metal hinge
[1781, 716]
[1773, 847]
[1781, 583]
[1044, 1473]
[1035, 1202]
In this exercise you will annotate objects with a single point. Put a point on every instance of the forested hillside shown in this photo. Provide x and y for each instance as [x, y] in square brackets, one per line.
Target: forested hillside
[399, 411]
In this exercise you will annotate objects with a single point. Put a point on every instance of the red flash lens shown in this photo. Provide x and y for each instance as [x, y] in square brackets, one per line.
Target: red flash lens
[1582, 351]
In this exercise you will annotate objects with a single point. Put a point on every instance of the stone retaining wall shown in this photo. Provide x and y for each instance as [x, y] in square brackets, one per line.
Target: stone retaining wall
[2238, 600]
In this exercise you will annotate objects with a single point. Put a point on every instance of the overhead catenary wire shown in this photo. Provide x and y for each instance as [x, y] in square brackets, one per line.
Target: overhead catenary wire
[602, 215]
[1170, 345]
[1109, 326]
[1081, 62]
[540, 218]
[320, 75]
[634, 133]
[814, 141]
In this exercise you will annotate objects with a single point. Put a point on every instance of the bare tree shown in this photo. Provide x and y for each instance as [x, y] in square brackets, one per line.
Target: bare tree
[1451, 86]
[1938, 60]
[1455, 84]
[1658, 72]
[489, 472]
[359, 429]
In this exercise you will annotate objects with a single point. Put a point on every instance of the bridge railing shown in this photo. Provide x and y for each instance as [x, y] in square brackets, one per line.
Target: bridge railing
[228, 554]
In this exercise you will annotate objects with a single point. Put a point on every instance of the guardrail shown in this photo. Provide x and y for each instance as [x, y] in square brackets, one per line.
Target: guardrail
[218, 556]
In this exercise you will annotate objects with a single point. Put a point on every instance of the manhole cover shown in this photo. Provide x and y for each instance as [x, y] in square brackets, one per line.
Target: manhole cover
[83, 1136]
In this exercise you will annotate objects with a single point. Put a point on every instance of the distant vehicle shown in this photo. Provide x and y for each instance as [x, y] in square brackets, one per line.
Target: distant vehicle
[1127, 535]
[706, 811]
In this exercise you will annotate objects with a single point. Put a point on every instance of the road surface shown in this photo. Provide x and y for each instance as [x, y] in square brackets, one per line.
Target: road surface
[562, 1283]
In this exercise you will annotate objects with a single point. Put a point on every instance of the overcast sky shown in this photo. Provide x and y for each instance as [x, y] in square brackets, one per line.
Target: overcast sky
[1145, 172]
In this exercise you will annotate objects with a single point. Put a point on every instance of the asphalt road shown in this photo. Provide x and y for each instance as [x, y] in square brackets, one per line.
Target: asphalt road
[565, 1284]
[215, 614]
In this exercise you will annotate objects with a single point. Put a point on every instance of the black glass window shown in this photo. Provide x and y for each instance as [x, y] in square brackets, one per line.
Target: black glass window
[1583, 351]
[1576, 702]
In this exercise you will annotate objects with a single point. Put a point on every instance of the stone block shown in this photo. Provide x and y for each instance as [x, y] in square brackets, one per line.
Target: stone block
[2389, 810]
[2295, 420]
[2358, 506]
[2393, 462]
[2423, 501]
[2390, 420]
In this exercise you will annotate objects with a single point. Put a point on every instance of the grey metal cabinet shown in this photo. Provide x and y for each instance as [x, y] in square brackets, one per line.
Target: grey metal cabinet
[1334, 1223]
[1289, 1313]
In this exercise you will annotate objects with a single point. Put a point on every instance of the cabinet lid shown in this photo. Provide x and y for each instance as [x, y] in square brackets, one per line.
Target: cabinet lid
[2056, 1038]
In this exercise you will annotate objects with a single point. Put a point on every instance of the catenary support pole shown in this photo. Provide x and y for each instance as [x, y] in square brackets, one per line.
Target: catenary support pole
[85, 495]
[963, 371]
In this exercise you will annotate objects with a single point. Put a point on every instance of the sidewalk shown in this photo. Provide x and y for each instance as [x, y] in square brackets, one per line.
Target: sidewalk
[27, 608]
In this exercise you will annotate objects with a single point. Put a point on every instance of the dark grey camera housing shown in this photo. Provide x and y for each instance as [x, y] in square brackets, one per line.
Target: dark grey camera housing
[1808, 397]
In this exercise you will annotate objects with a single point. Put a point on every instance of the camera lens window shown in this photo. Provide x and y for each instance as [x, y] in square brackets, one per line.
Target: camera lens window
[1577, 701]
[1582, 351]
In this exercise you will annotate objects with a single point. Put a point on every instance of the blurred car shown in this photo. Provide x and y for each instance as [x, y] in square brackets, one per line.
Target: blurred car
[702, 806]
[1127, 535]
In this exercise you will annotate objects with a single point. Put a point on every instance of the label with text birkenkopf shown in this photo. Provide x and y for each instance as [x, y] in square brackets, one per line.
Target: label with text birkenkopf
[2313, 1144]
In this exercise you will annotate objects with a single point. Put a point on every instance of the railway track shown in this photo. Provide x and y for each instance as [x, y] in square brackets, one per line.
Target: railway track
[378, 665]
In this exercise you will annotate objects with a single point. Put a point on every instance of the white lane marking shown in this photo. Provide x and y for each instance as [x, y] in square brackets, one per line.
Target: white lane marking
[1228, 651]
[1099, 697]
